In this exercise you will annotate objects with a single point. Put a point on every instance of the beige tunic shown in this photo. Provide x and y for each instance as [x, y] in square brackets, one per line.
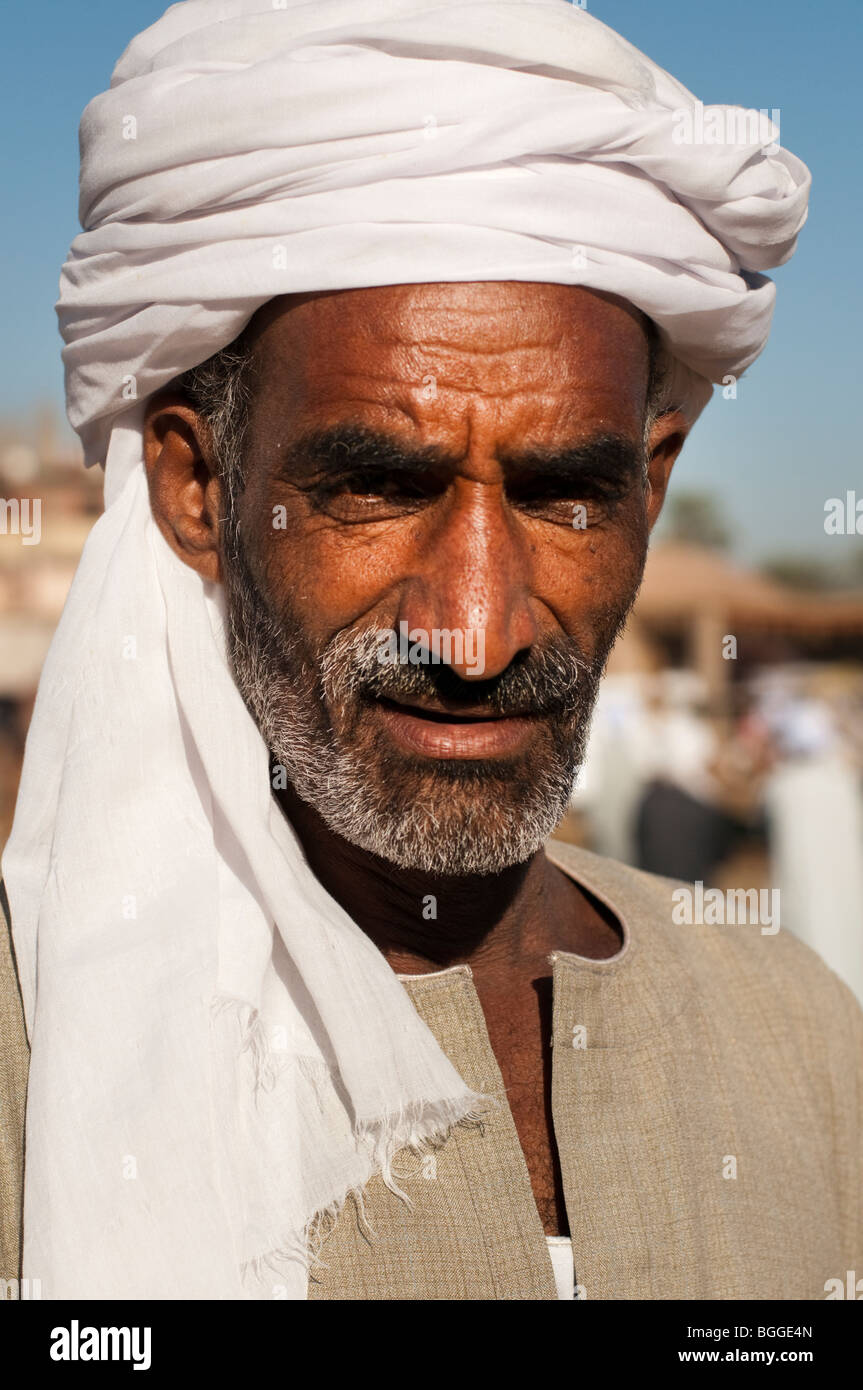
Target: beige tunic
[708, 1111]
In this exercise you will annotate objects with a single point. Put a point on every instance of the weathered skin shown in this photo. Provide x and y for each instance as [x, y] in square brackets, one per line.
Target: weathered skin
[481, 370]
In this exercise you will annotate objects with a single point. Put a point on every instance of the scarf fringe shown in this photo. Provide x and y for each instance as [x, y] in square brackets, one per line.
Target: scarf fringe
[419, 1128]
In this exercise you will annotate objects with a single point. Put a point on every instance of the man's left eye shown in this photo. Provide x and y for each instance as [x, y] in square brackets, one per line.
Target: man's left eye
[561, 501]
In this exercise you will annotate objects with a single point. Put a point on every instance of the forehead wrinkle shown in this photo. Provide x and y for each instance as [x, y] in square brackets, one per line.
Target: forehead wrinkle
[498, 373]
[402, 387]
[497, 332]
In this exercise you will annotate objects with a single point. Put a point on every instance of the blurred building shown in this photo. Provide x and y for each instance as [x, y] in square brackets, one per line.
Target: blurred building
[37, 466]
[694, 599]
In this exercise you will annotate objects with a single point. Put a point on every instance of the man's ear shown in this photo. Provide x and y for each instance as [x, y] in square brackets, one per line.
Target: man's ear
[666, 440]
[185, 496]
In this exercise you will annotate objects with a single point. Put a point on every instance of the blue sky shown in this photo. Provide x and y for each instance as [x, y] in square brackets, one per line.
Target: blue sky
[773, 456]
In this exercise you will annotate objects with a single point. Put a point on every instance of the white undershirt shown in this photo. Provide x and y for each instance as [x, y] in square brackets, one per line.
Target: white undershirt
[560, 1250]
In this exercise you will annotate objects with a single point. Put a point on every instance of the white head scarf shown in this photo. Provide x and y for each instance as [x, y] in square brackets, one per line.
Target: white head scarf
[219, 1054]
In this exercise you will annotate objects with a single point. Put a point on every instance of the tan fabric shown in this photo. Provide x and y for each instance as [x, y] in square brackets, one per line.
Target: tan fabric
[701, 1045]
[474, 1231]
[14, 1060]
[704, 1048]
[704, 1045]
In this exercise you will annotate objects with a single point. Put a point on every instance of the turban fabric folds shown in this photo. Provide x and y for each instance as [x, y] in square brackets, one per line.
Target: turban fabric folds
[246, 150]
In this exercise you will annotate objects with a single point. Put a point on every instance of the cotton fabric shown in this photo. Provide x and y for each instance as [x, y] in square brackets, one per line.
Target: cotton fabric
[700, 1044]
[219, 1055]
[330, 145]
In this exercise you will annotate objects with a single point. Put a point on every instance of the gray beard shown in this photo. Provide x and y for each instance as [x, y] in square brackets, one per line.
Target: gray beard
[441, 817]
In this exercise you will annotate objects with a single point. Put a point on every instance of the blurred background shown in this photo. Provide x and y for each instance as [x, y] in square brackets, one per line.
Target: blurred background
[728, 741]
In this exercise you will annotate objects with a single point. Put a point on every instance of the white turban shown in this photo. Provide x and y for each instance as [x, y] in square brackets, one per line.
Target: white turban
[164, 916]
[247, 149]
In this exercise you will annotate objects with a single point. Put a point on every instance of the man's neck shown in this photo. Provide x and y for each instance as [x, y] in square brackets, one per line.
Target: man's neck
[498, 924]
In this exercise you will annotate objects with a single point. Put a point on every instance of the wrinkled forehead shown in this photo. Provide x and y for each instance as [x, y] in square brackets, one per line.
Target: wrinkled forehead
[516, 344]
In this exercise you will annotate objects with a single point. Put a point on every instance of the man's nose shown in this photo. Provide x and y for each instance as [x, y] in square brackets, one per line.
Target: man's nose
[472, 579]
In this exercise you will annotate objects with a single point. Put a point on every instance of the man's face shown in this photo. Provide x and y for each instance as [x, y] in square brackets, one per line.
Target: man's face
[458, 466]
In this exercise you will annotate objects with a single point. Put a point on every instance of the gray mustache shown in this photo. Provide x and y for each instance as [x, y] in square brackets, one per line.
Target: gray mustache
[553, 678]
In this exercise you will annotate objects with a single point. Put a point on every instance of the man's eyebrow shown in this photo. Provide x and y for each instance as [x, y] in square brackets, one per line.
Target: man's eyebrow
[611, 457]
[339, 447]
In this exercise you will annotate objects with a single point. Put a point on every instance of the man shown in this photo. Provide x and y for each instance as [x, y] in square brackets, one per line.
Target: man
[389, 332]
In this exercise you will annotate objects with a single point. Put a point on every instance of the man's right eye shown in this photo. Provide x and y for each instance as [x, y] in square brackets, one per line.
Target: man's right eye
[372, 495]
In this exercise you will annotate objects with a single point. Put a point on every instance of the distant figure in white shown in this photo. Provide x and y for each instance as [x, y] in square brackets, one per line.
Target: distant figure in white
[815, 814]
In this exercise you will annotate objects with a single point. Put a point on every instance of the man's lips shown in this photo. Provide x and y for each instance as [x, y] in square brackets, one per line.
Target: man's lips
[448, 733]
